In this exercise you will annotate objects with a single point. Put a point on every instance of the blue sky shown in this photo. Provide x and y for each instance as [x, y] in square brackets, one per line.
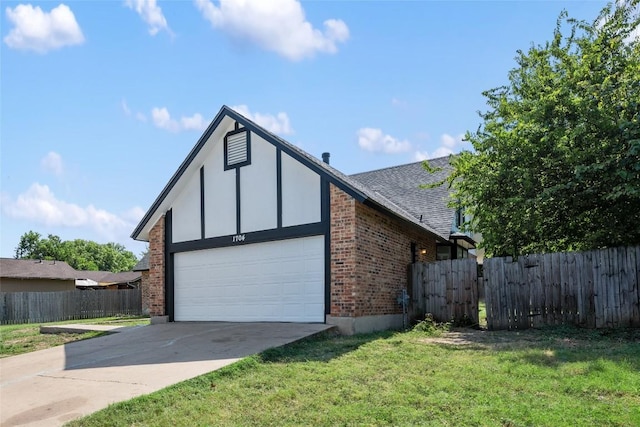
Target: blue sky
[101, 101]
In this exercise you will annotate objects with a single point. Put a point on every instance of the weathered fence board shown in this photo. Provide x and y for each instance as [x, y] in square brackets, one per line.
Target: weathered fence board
[30, 307]
[595, 289]
[448, 290]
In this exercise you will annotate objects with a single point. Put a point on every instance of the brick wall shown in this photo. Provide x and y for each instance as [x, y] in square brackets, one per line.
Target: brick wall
[343, 256]
[370, 252]
[144, 291]
[383, 253]
[156, 269]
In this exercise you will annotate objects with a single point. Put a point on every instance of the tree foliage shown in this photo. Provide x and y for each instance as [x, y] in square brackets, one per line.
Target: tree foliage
[557, 159]
[79, 254]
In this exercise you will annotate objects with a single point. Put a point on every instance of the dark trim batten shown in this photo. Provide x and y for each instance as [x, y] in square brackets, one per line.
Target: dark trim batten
[296, 231]
[279, 185]
[325, 209]
[168, 266]
[238, 201]
[202, 202]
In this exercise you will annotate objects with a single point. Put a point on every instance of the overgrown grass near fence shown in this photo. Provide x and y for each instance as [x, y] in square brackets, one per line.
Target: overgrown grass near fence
[31, 307]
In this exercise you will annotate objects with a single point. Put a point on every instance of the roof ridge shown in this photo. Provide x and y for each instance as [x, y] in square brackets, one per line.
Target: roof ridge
[401, 166]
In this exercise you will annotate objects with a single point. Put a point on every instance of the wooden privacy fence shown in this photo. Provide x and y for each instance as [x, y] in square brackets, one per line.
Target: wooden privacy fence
[30, 307]
[595, 289]
[446, 289]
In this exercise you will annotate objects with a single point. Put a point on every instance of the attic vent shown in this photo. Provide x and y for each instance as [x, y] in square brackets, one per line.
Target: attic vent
[237, 151]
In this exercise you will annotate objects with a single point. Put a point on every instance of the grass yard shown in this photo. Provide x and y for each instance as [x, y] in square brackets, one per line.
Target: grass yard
[24, 338]
[553, 377]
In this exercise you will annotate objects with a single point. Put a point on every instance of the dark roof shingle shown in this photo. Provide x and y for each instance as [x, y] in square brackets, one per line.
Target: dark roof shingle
[402, 185]
[143, 264]
[36, 269]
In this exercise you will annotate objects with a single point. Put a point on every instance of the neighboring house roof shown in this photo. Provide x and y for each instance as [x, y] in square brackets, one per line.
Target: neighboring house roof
[402, 185]
[223, 120]
[36, 269]
[143, 264]
[108, 277]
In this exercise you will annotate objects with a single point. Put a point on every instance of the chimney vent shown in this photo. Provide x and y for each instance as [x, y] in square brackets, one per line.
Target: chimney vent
[325, 157]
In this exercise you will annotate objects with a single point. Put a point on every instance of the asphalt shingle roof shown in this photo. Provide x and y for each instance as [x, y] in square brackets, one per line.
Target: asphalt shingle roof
[143, 264]
[401, 184]
[36, 269]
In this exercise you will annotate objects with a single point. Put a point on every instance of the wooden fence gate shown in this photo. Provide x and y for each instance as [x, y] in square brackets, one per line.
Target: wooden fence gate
[446, 289]
[594, 289]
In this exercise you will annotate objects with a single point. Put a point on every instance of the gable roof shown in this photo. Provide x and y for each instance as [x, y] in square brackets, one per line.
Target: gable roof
[224, 120]
[36, 269]
[402, 185]
[143, 264]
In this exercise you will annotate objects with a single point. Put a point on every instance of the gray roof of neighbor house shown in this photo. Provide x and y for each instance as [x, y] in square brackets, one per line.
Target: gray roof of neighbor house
[143, 264]
[354, 187]
[402, 185]
[36, 269]
[108, 277]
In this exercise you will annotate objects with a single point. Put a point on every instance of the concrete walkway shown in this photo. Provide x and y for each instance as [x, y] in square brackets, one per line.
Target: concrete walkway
[53, 386]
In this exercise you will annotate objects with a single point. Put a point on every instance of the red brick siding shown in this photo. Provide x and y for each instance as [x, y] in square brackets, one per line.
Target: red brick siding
[383, 253]
[370, 252]
[144, 290]
[343, 255]
[156, 269]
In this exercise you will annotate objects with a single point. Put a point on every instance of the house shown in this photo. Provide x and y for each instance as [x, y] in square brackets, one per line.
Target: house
[29, 275]
[252, 228]
[107, 280]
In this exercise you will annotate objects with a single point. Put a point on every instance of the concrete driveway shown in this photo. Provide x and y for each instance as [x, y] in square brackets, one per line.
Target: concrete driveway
[53, 386]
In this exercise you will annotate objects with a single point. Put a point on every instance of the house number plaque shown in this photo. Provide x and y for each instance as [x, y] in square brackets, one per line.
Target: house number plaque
[238, 238]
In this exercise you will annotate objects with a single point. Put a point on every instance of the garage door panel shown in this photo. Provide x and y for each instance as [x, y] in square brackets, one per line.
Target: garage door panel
[275, 281]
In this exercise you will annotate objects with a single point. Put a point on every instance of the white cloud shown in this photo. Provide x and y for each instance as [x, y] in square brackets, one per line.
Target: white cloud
[195, 122]
[40, 205]
[150, 13]
[125, 107]
[276, 25]
[448, 145]
[372, 139]
[42, 31]
[162, 119]
[141, 117]
[52, 162]
[278, 124]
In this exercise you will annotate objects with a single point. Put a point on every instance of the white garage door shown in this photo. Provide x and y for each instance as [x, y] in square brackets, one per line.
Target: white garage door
[279, 281]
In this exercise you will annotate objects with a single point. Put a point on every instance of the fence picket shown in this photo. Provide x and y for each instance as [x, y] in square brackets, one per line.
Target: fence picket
[30, 307]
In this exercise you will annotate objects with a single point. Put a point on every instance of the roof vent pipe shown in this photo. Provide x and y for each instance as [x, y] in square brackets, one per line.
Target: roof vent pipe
[325, 157]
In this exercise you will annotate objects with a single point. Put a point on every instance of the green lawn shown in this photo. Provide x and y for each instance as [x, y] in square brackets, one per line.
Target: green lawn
[554, 377]
[24, 338]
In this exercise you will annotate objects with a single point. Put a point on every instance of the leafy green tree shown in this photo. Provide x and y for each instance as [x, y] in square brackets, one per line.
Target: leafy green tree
[79, 254]
[28, 246]
[557, 159]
